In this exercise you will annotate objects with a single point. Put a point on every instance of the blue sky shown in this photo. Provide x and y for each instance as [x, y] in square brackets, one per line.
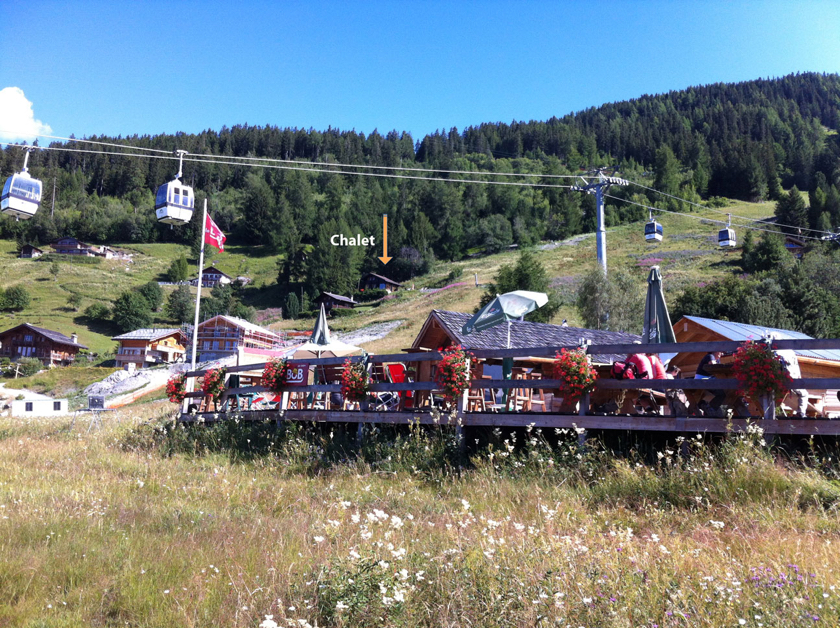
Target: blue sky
[151, 67]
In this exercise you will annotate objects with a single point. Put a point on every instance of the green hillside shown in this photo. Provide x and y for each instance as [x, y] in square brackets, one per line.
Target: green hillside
[688, 255]
[104, 280]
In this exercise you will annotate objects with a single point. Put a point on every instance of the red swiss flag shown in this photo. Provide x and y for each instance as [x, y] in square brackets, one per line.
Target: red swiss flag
[213, 235]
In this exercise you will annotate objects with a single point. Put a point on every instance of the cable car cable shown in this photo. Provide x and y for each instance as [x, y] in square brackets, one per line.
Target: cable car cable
[717, 211]
[699, 217]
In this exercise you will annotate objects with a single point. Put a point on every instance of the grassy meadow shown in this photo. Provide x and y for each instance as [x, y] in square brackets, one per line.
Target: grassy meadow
[145, 524]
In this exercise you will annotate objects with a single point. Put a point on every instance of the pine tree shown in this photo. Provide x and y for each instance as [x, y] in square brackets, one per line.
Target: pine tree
[791, 211]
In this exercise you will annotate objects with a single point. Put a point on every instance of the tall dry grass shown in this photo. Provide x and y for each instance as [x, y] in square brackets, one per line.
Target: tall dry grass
[144, 523]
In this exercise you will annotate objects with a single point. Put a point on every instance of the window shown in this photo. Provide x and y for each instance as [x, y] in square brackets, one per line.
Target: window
[57, 406]
[28, 406]
[27, 338]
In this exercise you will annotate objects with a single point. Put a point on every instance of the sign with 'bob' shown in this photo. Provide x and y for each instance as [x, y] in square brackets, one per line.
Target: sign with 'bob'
[297, 374]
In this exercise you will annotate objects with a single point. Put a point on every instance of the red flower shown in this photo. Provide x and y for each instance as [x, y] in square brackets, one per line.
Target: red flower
[575, 372]
[355, 381]
[214, 383]
[176, 388]
[760, 372]
[453, 372]
[274, 374]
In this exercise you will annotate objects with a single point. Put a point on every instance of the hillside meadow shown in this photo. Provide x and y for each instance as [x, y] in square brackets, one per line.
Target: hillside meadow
[146, 524]
[687, 255]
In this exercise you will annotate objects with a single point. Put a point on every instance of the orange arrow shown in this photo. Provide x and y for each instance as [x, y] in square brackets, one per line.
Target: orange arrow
[385, 259]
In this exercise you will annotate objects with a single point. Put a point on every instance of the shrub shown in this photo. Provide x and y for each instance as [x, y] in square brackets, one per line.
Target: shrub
[292, 309]
[97, 312]
[16, 298]
[131, 311]
[153, 294]
[30, 366]
[341, 312]
[371, 294]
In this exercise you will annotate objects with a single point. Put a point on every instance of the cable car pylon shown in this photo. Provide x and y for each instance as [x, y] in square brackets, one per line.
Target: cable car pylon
[598, 183]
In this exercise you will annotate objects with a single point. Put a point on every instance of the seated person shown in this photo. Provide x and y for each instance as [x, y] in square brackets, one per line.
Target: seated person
[712, 408]
[657, 368]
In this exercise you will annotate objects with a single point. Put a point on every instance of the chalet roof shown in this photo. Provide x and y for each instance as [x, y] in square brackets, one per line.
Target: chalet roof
[741, 331]
[68, 240]
[148, 334]
[385, 279]
[215, 271]
[55, 336]
[30, 247]
[242, 323]
[524, 334]
[338, 297]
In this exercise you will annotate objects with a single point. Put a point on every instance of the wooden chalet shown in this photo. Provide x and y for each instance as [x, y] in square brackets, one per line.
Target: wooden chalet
[796, 245]
[27, 251]
[822, 363]
[372, 281]
[147, 347]
[51, 347]
[330, 301]
[71, 246]
[212, 277]
[223, 335]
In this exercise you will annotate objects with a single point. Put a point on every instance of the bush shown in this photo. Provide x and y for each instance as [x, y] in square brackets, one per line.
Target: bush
[97, 312]
[15, 298]
[292, 309]
[70, 259]
[371, 294]
[131, 311]
[342, 312]
[29, 366]
[153, 294]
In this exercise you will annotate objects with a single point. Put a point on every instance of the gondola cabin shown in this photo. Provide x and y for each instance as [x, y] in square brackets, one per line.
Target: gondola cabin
[174, 203]
[726, 238]
[653, 231]
[21, 196]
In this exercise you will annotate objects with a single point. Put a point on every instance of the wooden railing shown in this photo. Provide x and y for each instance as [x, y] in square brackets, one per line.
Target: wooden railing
[583, 419]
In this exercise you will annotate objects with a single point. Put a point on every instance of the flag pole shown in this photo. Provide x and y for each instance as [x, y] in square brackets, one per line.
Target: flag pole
[191, 382]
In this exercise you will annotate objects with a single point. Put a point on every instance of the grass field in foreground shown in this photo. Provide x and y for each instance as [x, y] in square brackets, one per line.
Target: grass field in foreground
[154, 528]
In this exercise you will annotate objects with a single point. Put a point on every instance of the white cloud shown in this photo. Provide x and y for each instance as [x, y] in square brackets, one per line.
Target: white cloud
[17, 118]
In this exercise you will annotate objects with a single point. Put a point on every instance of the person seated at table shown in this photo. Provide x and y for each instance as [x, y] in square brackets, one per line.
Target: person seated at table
[712, 408]
[791, 364]
[643, 370]
[656, 366]
[642, 364]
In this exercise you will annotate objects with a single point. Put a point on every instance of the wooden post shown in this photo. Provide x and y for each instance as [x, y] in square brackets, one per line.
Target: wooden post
[768, 404]
[583, 405]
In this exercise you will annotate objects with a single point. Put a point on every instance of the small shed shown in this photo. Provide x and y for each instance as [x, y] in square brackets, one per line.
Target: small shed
[39, 407]
[27, 251]
[372, 281]
[330, 301]
[796, 245]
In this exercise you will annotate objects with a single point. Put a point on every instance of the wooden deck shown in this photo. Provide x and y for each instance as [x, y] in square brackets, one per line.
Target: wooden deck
[584, 420]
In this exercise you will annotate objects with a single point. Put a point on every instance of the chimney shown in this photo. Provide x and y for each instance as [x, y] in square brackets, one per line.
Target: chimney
[75, 338]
